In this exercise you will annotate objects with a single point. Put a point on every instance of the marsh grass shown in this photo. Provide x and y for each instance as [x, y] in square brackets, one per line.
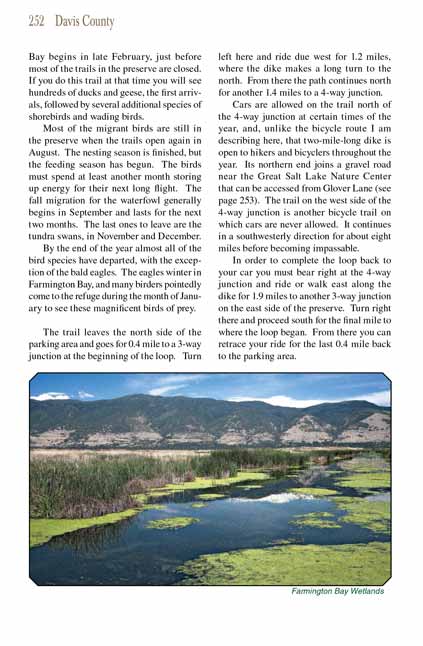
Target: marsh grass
[105, 484]
[85, 488]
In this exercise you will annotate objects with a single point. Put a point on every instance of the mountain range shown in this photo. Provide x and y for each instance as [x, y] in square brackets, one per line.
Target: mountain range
[154, 422]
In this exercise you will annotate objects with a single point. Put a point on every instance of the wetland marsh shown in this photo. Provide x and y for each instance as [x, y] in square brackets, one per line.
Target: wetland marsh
[309, 520]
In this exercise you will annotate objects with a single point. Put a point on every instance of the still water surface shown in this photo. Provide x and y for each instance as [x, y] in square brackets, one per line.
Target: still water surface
[129, 553]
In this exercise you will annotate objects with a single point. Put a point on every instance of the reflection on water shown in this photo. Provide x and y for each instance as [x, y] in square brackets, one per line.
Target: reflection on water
[276, 498]
[130, 553]
[92, 539]
[311, 475]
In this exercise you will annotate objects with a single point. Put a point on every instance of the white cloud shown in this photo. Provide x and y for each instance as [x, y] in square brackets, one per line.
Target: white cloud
[280, 400]
[170, 383]
[164, 389]
[381, 399]
[84, 395]
[45, 396]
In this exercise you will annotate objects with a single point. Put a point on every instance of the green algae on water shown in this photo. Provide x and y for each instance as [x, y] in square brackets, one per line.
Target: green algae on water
[207, 483]
[43, 529]
[323, 520]
[366, 481]
[370, 514]
[356, 564]
[198, 505]
[317, 492]
[172, 523]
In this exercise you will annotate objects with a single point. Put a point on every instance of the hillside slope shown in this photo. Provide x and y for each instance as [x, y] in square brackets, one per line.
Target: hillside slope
[145, 421]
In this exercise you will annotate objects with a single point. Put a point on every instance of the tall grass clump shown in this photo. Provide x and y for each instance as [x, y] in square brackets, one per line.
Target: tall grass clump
[84, 488]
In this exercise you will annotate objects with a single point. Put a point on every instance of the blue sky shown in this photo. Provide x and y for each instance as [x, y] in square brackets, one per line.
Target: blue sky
[283, 389]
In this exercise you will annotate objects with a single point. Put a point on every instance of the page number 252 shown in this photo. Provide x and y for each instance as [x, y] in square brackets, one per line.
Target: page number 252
[36, 21]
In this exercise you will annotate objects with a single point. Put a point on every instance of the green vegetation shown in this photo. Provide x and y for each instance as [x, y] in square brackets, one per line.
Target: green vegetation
[323, 520]
[276, 458]
[366, 481]
[293, 565]
[104, 486]
[207, 483]
[94, 486]
[138, 482]
[172, 523]
[371, 514]
[91, 487]
[43, 529]
[317, 492]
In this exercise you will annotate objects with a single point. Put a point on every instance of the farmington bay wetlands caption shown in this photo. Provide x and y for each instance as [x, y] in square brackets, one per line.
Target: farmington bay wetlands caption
[343, 592]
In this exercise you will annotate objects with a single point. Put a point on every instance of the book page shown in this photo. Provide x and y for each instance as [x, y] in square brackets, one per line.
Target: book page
[210, 349]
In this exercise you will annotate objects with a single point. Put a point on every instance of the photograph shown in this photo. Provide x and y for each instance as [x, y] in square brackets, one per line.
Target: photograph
[210, 479]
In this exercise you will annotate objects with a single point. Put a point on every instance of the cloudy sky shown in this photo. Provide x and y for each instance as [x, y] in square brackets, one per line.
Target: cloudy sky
[289, 389]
